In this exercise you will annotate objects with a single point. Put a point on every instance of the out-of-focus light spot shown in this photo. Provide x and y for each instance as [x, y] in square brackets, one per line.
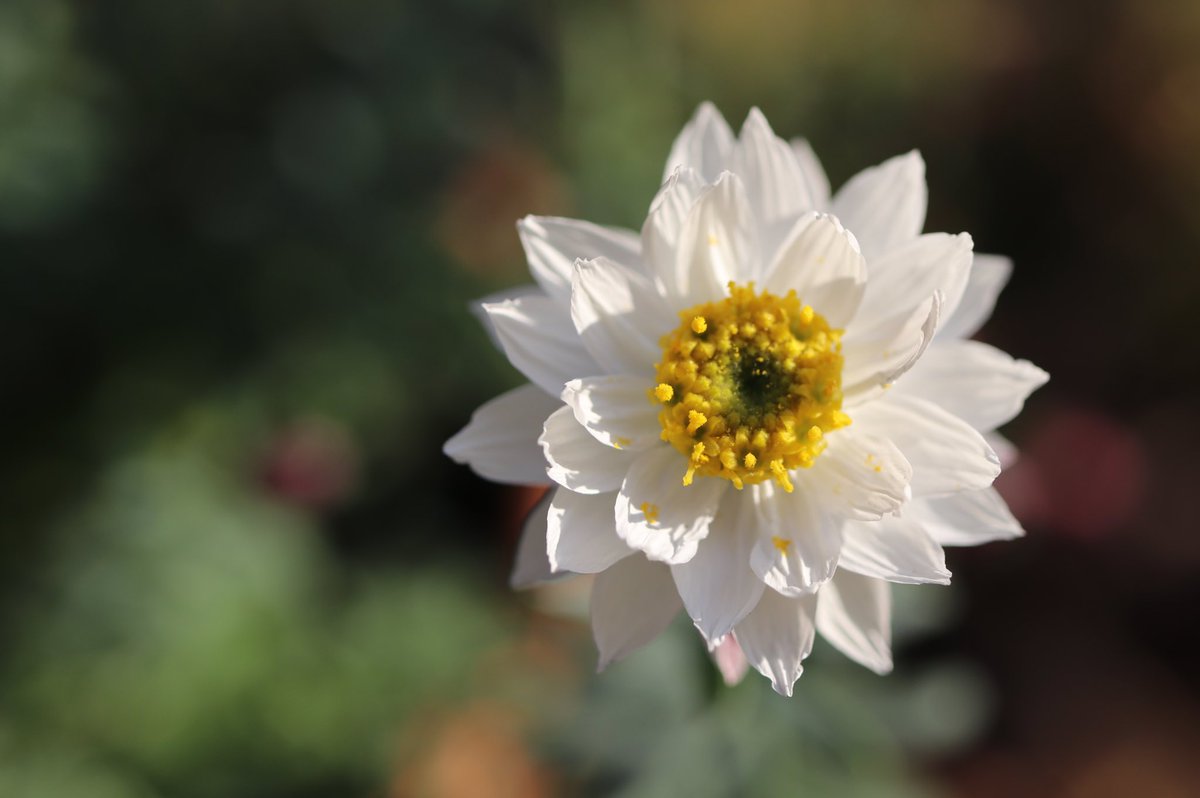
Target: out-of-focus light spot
[1081, 472]
[484, 199]
[480, 751]
[314, 464]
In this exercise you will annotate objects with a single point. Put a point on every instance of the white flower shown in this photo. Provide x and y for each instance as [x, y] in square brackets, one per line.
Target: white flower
[744, 409]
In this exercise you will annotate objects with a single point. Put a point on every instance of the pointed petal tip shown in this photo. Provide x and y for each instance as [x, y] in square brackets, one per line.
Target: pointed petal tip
[784, 687]
[706, 109]
[1036, 375]
[755, 114]
[883, 667]
[452, 448]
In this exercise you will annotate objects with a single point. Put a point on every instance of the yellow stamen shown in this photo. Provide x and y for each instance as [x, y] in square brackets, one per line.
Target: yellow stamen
[781, 543]
[651, 512]
[750, 386]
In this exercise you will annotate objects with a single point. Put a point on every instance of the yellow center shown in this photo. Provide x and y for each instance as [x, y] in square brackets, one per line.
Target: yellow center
[749, 387]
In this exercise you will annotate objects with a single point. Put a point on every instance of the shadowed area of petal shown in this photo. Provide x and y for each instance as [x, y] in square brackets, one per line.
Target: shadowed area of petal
[966, 519]
[885, 204]
[553, 244]
[946, 454]
[904, 277]
[976, 382]
[632, 602]
[495, 298]
[660, 233]
[820, 260]
[577, 460]
[797, 545]
[656, 513]
[860, 475]
[814, 173]
[716, 244]
[705, 144]
[579, 533]
[775, 183]
[895, 549]
[878, 356]
[619, 316]
[539, 338]
[854, 613]
[500, 442]
[616, 410]
[777, 636]
[986, 279]
[716, 585]
[531, 566]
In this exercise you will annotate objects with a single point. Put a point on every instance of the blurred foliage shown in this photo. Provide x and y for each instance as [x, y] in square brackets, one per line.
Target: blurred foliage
[237, 242]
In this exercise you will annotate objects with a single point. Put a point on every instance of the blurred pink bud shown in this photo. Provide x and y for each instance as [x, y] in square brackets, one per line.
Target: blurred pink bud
[730, 660]
[1081, 472]
[313, 463]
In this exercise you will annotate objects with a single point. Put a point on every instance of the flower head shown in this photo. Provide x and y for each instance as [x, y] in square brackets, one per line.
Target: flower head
[759, 410]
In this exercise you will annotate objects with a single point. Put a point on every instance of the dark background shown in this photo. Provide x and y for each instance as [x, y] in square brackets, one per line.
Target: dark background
[237, 241]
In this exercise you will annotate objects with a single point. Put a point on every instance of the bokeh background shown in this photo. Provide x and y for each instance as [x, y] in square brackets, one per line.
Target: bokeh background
[237, 243]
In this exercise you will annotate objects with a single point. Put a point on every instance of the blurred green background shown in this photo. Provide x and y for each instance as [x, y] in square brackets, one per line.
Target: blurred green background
[237, 242]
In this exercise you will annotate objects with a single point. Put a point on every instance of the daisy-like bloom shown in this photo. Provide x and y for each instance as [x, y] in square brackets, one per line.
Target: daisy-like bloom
[760, 410]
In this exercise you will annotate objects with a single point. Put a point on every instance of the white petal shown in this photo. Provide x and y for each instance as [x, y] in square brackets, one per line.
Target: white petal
[821, 261]
[577, 460]
[539, 339]
[797, 545]
[895, 549]
[705, 144]
[987, 278]
[478, 312]
[580, 535]
[500, 442]
[859, 475]
[532, 567]
[632, 602]
[814, 173]
[976, 382]
[777, 636]
[553, 244]
[716, 244]
[660, 233]
[906, 275]
[616, 409]
[619, 316]
[966, 519]
[884, 205]
[656, 513]
[854, 613]
[946, 454]
[1005, 449]
[877, 357]
[717, 586]
[775, 183]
